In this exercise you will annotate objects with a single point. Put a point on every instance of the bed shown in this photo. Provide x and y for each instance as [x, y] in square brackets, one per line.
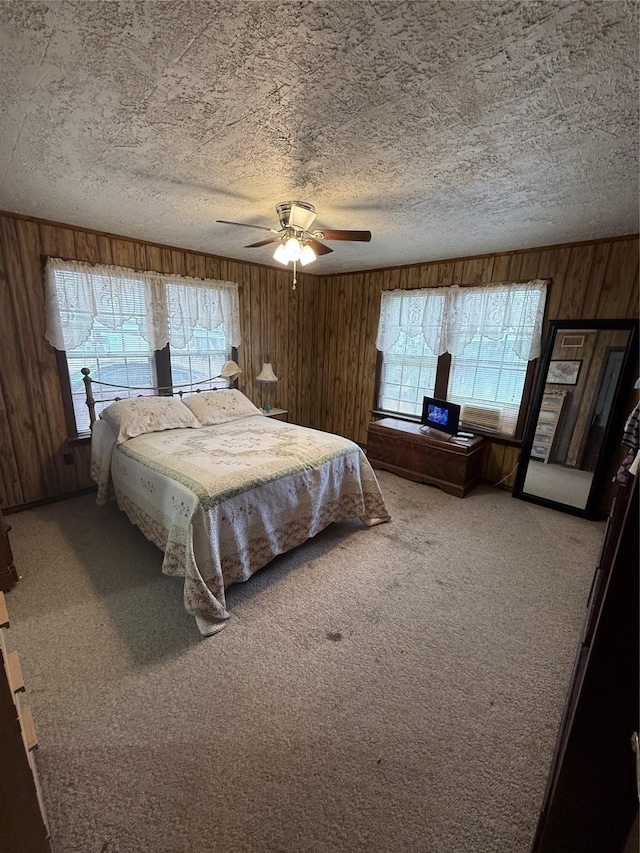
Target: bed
[222, 489]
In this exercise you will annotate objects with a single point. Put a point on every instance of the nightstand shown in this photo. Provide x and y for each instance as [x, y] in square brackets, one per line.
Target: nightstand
[280, 414]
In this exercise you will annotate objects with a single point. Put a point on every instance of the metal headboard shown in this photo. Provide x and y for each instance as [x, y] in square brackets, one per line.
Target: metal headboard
[91, 401]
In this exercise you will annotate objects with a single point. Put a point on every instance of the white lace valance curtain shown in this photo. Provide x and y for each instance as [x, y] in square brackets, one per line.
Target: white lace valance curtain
[414, 312]
[166, 308]
[206, 304]
[448, 318]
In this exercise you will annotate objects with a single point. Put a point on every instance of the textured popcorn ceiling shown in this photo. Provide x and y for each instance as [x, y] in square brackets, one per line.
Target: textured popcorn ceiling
[446, 128]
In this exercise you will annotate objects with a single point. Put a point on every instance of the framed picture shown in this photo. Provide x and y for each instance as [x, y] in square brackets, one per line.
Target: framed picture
[563, 372]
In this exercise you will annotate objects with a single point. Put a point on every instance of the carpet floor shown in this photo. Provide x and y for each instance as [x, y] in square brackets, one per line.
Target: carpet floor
[397, 688]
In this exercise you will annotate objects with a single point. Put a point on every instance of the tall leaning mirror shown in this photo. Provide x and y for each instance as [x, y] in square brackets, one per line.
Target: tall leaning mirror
[577, 415]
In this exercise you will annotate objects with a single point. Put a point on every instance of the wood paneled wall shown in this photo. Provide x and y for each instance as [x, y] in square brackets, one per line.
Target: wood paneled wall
[320, 337]
[596, 280]
[36, 459]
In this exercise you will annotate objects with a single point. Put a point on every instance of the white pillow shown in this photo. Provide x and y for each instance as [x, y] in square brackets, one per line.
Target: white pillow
[138, 415]
[218, 407]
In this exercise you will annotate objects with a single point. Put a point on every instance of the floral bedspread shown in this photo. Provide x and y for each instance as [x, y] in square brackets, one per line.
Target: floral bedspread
[223, 501]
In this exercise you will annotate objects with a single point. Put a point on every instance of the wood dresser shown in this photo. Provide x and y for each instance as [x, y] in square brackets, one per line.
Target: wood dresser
[23, 823]
[8, 573]
[591, 801]
[403, 448]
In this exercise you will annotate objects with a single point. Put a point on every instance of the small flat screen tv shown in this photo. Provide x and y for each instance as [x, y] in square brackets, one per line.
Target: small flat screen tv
[440, 415]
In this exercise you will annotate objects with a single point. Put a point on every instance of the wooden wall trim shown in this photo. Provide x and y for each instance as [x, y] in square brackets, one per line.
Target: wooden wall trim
[313, 273]
[44, 501]
[485, 262]
[106, 235]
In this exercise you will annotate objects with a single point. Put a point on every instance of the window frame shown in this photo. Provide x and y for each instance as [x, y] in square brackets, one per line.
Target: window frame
[440, 391]
[158, 359]
[444, 361]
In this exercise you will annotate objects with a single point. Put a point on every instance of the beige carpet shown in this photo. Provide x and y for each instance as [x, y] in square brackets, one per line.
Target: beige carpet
[389, 689]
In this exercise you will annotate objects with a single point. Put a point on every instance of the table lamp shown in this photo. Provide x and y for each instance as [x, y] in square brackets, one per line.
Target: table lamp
[230, 370]
[267, 376]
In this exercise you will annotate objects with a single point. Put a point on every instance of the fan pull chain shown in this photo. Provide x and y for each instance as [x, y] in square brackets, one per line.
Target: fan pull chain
[295, 280]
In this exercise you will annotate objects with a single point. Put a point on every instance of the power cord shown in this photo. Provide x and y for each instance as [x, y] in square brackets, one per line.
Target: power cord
[505, 478]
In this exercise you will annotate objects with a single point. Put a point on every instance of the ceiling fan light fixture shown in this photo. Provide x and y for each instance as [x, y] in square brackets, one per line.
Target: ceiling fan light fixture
[307, 255]
[280, 254]
[296, 243]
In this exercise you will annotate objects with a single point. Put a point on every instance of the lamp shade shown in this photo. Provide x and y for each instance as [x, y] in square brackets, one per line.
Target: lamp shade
[266, 374]
[230, 369]
[307, 255]
[280, 254]
[292, 248]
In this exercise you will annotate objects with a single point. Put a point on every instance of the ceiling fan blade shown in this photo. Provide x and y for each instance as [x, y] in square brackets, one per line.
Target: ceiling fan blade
[262, 242]
[246, 225]
[318, 247]
[360, 236]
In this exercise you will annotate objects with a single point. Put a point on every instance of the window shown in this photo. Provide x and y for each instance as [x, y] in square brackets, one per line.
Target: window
[488, 381]
[119, 357]
[137, 329]
[470, 345]
[201, 359]
[408, 373]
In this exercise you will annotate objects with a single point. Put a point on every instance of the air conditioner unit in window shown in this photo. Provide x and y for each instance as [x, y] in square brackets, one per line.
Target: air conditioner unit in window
[475, 416]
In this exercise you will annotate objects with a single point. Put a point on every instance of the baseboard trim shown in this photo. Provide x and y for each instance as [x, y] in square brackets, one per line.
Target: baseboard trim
[34, 504]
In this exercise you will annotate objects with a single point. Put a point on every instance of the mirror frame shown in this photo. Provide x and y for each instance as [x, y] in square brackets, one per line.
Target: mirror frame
[615, 422]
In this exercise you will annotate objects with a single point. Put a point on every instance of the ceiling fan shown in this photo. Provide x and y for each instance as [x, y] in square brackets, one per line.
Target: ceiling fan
[296, 242]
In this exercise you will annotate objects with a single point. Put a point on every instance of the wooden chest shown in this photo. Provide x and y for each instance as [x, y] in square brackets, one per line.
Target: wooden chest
[402, 447]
